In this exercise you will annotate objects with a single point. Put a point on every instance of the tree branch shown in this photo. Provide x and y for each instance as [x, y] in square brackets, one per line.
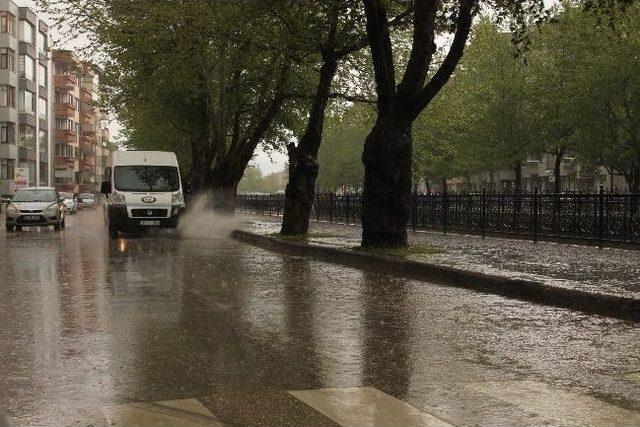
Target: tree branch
[381, 52]
[440, 78]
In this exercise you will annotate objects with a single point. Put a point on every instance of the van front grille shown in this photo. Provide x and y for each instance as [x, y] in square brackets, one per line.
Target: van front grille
[149, 213]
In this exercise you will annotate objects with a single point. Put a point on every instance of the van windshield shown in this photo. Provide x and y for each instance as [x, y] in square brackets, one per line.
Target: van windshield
[146, 178]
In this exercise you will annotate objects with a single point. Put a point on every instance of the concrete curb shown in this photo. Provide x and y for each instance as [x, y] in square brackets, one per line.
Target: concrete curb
[623, 308]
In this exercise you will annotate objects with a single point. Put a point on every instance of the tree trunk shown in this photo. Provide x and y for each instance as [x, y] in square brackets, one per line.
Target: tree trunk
[557, 185]
[386, 201]
[633, 177]
[518, 181]
[303, 165]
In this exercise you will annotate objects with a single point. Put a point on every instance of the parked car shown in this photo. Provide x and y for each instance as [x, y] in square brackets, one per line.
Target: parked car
[35, 207]
[86, 201]
[69, 202]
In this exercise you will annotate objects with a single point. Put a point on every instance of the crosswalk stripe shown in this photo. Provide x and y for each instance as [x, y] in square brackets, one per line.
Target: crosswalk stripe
[171, 413]
[366, 407]
[558, 404]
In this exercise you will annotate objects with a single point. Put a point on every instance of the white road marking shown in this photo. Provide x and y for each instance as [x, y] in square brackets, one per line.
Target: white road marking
[366, 407]
[558, 404]
[169, 413]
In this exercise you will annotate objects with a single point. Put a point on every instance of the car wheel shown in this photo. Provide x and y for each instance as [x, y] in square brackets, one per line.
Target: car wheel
[9, 227]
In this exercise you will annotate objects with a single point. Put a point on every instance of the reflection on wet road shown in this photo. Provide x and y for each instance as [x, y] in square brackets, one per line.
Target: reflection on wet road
[224, 331]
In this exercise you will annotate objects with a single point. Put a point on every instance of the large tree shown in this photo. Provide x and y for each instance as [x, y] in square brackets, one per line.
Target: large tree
[387, 155]
[333, 31]
[207, 70]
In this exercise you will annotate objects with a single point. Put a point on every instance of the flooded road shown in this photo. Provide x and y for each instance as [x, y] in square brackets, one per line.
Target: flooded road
[209, 331]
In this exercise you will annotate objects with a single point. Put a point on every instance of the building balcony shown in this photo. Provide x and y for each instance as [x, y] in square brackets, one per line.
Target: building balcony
[65, 81]
[65, 110]
[65, 161]
[66, 134]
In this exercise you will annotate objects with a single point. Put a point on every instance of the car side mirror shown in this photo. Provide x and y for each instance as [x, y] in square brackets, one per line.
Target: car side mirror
[105, 187]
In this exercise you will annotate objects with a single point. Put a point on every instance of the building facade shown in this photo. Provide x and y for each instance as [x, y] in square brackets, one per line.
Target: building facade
[25, 99]
[81, 137]
[537, 172]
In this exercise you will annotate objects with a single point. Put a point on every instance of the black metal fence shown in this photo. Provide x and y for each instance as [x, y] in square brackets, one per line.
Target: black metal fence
[596, 217]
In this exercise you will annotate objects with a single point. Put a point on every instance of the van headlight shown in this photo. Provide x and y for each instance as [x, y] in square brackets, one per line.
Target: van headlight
[177, 198]
[13, 210]
[117, 197]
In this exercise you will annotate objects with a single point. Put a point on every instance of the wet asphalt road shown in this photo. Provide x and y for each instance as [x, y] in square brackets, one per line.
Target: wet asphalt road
[88, 323]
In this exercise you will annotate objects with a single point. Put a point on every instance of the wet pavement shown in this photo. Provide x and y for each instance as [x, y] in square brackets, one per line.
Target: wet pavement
[190, 329]
[608, 271]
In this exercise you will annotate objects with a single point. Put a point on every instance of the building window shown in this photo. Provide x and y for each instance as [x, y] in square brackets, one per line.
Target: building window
[27, 137]
[63, 123]
[28, 32]
[27, 67]
[7, 169]
[27, 101]
[7, 23]
[42, 108]
[7, 96]
[7, 133]
[43, 77]
[7, 59]
[44, 143]
[43, 42]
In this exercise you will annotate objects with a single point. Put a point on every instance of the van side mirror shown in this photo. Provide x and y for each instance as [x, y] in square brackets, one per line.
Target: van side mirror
[105, 187]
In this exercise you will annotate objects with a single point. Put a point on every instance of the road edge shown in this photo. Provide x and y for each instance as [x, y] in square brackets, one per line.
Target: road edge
[614, 306]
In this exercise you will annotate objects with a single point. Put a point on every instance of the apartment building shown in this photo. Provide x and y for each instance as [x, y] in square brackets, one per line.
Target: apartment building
[81, 137]
[25, 98]
[537, 172]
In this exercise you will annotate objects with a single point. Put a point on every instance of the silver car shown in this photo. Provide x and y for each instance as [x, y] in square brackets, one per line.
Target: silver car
[35, 207]
[86, 201]
[70, 204]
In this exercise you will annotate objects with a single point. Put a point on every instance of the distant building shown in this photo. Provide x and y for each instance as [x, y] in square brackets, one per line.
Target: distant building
[536, 172]
[25, 98]
[81, 136]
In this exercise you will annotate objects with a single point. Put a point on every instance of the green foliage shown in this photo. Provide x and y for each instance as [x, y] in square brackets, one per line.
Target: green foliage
[574, 91]
[341, 148]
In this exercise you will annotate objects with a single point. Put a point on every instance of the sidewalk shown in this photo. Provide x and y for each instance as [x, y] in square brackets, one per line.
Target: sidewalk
[586, 268]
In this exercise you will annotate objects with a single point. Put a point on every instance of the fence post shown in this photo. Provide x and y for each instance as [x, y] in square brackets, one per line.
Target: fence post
[414, 211]
[535, 215]
[331, 201]
[445, 210]
[601, 217]
[346, 213]
[483, 215]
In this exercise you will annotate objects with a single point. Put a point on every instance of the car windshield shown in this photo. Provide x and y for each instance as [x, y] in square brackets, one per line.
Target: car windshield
[86, 196]
[146, 178]
[35, 196]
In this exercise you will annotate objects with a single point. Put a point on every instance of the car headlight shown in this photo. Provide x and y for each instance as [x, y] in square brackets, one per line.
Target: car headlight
[12, 209]
[117, 197]
[177, 198]
[51, 209]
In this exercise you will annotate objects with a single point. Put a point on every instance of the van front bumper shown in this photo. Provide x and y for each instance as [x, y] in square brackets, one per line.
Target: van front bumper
[119, 219]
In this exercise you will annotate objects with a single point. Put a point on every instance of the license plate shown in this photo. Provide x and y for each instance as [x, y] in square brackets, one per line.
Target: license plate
[150, 223]
[31, 217]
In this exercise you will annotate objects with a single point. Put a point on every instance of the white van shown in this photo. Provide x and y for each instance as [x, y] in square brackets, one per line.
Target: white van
[144, 190]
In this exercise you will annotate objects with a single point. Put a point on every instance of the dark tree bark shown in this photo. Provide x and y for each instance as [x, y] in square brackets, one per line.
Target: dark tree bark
[557, 170]
[517, 168]
[303, 165]
[387, 152]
